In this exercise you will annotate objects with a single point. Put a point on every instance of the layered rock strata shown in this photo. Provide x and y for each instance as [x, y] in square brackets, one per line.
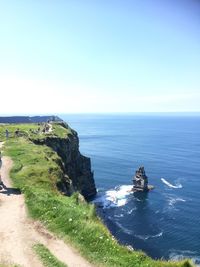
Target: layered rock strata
[140, 181]
[76, 167]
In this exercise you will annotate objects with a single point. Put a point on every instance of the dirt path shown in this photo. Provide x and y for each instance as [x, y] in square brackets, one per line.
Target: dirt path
[18, 233]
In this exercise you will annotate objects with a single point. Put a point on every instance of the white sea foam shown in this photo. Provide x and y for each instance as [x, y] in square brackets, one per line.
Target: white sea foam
[177, 255]
[131, 211]
[114, 198]
[145, 237]
[171, 185]
[119, 215]
[173, 201]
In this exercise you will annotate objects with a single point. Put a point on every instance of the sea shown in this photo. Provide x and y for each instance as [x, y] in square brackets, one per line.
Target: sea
[165, 222]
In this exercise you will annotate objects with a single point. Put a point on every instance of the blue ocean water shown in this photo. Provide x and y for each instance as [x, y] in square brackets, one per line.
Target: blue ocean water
[165, 223]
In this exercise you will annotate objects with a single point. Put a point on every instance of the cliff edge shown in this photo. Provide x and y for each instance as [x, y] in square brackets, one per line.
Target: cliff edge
[56, 134]
[76, 167]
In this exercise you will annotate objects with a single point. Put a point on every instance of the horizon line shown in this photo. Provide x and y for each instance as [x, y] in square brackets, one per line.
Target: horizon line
[103, 113]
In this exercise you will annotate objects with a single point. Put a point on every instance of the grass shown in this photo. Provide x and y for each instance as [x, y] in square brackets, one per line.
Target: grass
[33, 131]
[47, 258]
[36, 173]
[60, 131]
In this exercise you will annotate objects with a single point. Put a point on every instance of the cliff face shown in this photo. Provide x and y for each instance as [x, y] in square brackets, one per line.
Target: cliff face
[76, 167]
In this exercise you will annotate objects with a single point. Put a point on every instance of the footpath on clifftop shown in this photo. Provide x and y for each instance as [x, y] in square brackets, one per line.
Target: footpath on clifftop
[19, 233]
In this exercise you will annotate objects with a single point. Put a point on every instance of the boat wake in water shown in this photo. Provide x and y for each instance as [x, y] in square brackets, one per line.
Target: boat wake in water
[171, 185]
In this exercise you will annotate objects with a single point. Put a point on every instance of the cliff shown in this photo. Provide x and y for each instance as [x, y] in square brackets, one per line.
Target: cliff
[76, 167]
[36, 171]
[54, 133]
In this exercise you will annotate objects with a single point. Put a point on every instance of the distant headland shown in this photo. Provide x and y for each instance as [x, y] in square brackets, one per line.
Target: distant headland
[29, 119]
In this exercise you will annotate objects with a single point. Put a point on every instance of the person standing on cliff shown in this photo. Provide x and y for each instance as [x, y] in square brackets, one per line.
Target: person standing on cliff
[2, 185]
[0, 160]
[7, 133]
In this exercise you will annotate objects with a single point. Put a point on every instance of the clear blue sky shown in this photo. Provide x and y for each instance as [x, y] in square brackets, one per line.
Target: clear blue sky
[99, 56]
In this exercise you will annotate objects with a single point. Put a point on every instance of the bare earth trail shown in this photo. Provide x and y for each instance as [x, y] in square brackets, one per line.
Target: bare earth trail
[18, 233]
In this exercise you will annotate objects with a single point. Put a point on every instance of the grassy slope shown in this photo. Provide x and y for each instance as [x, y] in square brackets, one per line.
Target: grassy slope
[35, 172]
[28, 129]
[48, 259]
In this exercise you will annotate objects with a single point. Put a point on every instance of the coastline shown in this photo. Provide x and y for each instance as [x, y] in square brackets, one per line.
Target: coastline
[124, 251]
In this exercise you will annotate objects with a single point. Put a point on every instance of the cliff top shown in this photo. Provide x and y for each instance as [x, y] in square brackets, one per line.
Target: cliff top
[35, 131]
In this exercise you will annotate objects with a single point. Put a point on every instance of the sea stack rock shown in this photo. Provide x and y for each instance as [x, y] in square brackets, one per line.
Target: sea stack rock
[140, 181]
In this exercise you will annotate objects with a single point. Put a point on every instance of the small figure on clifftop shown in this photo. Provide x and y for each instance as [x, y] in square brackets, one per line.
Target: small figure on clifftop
[140, 181]
[1, 183]
[7, 133]
[0, 160]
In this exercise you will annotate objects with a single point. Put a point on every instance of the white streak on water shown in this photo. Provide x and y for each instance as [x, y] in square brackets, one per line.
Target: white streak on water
[119, 216]
[173, 201]
[125, 230]
[131, 211]
[145, 237]
[171, 185]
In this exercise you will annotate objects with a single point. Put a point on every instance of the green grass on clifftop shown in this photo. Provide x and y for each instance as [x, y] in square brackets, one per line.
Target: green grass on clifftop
[34, 131]
[48, 259]
[36, 173]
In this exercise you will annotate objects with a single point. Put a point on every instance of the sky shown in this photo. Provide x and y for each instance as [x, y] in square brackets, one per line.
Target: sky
[99, 56]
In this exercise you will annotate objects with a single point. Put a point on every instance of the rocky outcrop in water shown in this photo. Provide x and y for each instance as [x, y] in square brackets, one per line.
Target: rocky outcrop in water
[140, 181]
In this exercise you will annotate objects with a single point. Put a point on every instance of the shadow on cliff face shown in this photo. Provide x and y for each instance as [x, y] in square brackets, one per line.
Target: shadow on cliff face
[76, 168]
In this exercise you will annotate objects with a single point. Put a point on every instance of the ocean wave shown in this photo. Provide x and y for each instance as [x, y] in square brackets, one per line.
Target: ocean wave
[146, 237]
[114, 198]
[125, 230]
[119, 215]
[131, 211]
[177, 255]
[171, 185]
[173, 201]
[138, 200]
